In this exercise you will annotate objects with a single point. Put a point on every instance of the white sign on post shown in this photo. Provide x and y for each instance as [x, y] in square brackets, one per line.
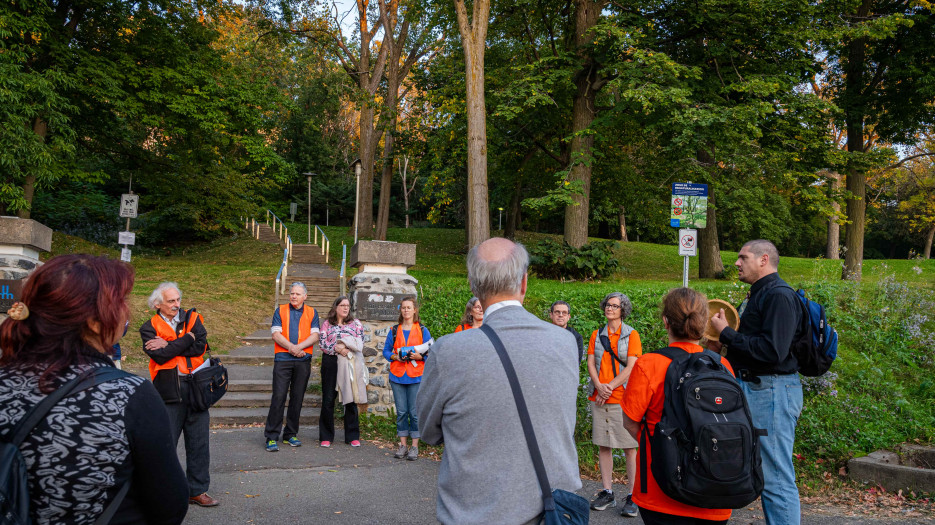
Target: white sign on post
[128, 205]
[125, 255]
[688, 242]
[126, 238]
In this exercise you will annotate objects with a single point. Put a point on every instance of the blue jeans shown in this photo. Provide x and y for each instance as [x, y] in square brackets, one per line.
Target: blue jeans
[407, 422]
[775, 403]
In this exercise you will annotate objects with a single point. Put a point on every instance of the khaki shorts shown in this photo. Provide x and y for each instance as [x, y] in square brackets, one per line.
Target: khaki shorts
[607, 427]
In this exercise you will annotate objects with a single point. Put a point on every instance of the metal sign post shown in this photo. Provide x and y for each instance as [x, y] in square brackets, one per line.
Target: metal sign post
[688, 247]
[129, 204]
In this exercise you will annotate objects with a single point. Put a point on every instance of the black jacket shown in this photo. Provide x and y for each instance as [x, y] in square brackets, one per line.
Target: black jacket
[767, 328]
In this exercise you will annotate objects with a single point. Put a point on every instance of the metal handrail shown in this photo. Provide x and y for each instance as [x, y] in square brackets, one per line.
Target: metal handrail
[342, 276]
[282, 275]
[325, 242]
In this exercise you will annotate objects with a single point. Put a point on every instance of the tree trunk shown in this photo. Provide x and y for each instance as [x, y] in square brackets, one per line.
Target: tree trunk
[709, 251]
[927, 251]
[365, 197]
[473, 40]
[587, 13]
[856, 179]
[386, 180]
[40, 128]
[513, 217]
[833, 248]
[403, 172]
[623, 224]
[710, 264]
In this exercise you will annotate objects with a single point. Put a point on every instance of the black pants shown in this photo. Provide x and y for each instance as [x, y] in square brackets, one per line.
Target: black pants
[651, 517]
[329, 381]
[196, 426]
[288, 377]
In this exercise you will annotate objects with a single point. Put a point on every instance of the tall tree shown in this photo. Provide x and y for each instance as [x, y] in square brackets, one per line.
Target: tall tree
[473, 31]
[366, 74]
[397, 69]
[588, 81]
[881, 54]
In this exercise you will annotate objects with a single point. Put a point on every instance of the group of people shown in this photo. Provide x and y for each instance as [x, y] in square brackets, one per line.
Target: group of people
[123, 429]
[487, 474]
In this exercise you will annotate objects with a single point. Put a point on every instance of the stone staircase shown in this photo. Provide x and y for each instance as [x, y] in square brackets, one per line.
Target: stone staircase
[250, 367]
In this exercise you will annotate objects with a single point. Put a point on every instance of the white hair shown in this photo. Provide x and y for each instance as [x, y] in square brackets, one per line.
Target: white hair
[155, 298]
[300, 285]
[489, 278]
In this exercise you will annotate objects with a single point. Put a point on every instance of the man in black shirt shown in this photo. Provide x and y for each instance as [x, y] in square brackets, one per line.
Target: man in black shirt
[560, 313]
[759, 352]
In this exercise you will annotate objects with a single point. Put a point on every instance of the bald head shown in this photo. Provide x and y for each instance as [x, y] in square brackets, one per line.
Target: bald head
[497, 268]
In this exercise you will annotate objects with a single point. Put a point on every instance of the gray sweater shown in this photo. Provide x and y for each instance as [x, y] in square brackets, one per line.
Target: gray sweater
[486, 474]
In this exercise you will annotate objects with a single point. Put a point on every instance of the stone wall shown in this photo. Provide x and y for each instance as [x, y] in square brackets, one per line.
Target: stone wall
[379, 392]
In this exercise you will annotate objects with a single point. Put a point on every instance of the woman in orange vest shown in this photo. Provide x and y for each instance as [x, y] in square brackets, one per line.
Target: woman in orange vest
[685, 314]
[473, 315]
[405, 348]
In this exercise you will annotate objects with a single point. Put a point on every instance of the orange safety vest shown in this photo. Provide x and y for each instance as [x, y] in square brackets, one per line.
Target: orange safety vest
[165, 331]
[401, 368]
[462, 327]
[305, 326]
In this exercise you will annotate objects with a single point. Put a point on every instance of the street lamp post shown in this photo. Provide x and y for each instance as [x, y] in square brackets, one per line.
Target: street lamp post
[500, 219]
[357, 168]
[309, 176]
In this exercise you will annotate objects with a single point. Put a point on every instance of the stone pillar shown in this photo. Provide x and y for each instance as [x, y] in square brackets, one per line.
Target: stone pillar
[21, 240]
[375, 293]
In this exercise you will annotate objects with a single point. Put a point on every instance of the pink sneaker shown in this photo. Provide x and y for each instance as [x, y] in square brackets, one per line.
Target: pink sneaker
[325, 444]
[355, 443]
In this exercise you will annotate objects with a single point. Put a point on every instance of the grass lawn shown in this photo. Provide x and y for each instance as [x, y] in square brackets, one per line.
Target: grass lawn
[230, 282]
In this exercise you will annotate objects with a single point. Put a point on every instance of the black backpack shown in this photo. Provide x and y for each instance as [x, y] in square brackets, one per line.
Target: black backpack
[705, 448]
[14, 488]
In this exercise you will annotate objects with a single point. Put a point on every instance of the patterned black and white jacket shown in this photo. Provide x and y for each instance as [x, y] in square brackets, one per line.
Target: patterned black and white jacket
[93, 442]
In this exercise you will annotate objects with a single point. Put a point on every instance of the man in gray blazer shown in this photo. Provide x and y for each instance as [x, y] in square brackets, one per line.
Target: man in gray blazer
[465, 401]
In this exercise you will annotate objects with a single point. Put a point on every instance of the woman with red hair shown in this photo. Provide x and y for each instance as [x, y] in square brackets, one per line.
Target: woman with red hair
[112, 452]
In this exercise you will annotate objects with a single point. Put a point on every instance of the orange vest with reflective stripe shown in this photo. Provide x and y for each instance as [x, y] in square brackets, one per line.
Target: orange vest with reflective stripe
[165, 331]
[305, 326]
[400, 368]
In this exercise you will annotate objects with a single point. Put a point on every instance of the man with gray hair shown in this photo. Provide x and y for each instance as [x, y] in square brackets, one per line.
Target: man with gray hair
[295, 330]
[465, 401]
[176, 341]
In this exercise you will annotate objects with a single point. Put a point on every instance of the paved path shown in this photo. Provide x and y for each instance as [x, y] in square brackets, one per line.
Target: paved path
[311, 485]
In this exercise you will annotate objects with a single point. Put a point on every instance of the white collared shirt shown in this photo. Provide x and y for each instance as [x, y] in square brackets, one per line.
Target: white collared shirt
[172, 322]
[496, 306]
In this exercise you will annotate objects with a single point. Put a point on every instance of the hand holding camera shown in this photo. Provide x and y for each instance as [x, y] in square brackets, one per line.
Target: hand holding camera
[405, 353]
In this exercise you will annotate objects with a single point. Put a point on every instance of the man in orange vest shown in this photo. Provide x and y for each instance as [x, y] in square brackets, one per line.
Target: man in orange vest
[295, 330]
[175, 341]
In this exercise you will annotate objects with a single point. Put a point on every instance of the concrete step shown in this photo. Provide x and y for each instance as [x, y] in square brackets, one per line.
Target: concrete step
[258, 337]
[255, 416]
[259, 400]
[248, 385]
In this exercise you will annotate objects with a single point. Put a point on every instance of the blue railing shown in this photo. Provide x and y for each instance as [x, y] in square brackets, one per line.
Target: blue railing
[280, 229]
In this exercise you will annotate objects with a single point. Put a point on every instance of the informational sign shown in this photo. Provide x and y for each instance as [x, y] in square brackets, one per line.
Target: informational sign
[128, 205]
[689, 205]
[10, 291]
[293, 209]
[377, 306]
[688, 242]
[125, 255]
[126, 238]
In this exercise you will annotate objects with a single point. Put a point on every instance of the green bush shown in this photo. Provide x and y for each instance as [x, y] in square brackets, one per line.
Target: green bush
[880, 392]
[552, 260]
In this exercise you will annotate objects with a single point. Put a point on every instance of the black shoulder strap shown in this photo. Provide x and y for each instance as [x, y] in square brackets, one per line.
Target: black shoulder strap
[673, 353]
[547, 500]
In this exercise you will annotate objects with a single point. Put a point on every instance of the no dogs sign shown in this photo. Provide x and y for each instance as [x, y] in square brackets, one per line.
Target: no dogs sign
[688, 242]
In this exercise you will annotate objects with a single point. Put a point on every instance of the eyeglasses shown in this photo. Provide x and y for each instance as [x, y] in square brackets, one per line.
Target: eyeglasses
[560, 314]
[612, 306]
